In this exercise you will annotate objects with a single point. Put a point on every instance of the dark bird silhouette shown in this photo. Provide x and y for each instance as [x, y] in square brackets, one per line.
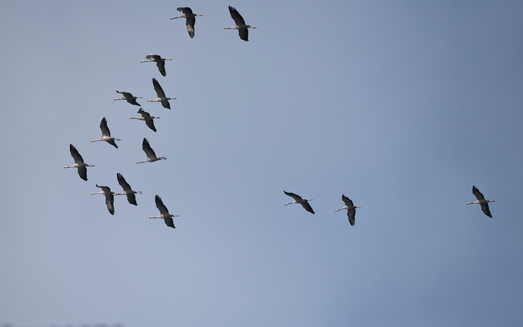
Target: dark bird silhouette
[128, 97]
[160, 62]
[351, 209]
[160, 95]
[78, 163]
[109, 197]
[164, 212]
[297, 199]
[149, 120]
[190, 19]
[127, 190]
[481, 201]
[151, 156]
[106, 134]
[243, 29]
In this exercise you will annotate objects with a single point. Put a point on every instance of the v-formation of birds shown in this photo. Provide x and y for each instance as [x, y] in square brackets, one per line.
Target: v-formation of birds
[243, 31]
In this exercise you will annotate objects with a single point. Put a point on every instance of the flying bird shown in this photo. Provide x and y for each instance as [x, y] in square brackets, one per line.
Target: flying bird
[164, 212]
[128, 97]
[151, 156]
[351, 209]
[297, 199]
[106, 134]
[243, 29]
[127, 190]
[160, 95]
[149, 120]
[78, 163]
[481, 201]
[109, 197]
[160, 62]
[190, 19]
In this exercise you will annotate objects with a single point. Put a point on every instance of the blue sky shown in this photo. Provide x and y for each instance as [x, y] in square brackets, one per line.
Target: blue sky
[400, 105]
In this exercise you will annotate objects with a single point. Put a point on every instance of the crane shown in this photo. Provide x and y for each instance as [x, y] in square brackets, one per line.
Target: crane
[109, 197]
[351, 209]
[151, 156]
[190, 19]
[298, 199]
[243, 29]
[127, 190]
[78, 163]
[106, 134]
[160, 95]
[164, 212]
[160, 62]
[128, 97]
[481, 201]
[149, 120]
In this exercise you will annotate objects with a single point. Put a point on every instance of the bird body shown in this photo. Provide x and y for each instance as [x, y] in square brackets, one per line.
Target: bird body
[481, 201]
[78, 163]
[243, 29]
[351, 209]
[151, 155]
[109, 197]
[164, 212]
[160, 95]
[106, 134]
[298, 199]
[160, 62]
[190, 19]
[128, 97]
[127, 190]
[149, 120]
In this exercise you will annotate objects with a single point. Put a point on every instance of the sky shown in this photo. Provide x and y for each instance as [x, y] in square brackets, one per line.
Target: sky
[400, 105]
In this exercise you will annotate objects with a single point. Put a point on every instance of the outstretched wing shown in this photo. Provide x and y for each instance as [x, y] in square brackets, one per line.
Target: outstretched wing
[477, 193]
[238, 19]
[306, 205]
[294, 196]
[76, 155]
[146, 147]
[485, 209]
[158, 89]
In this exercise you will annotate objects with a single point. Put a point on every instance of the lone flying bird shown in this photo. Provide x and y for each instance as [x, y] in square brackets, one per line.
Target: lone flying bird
[187, 13]
[127, 190]
[128, 97]
[481, 201]
[106, 134]
[78, 163]
[149, 120]
[164, 212]
[297, 199]
[351, 209]
[109, 197]
[243, 30]
[160, 62]
[160, 95]
[151, 156]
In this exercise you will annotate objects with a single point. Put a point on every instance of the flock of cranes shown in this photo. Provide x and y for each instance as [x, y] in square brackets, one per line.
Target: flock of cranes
[243, 31]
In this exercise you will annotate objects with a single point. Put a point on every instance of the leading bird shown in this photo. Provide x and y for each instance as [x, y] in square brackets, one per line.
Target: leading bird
[298, 199]
[481, 201]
